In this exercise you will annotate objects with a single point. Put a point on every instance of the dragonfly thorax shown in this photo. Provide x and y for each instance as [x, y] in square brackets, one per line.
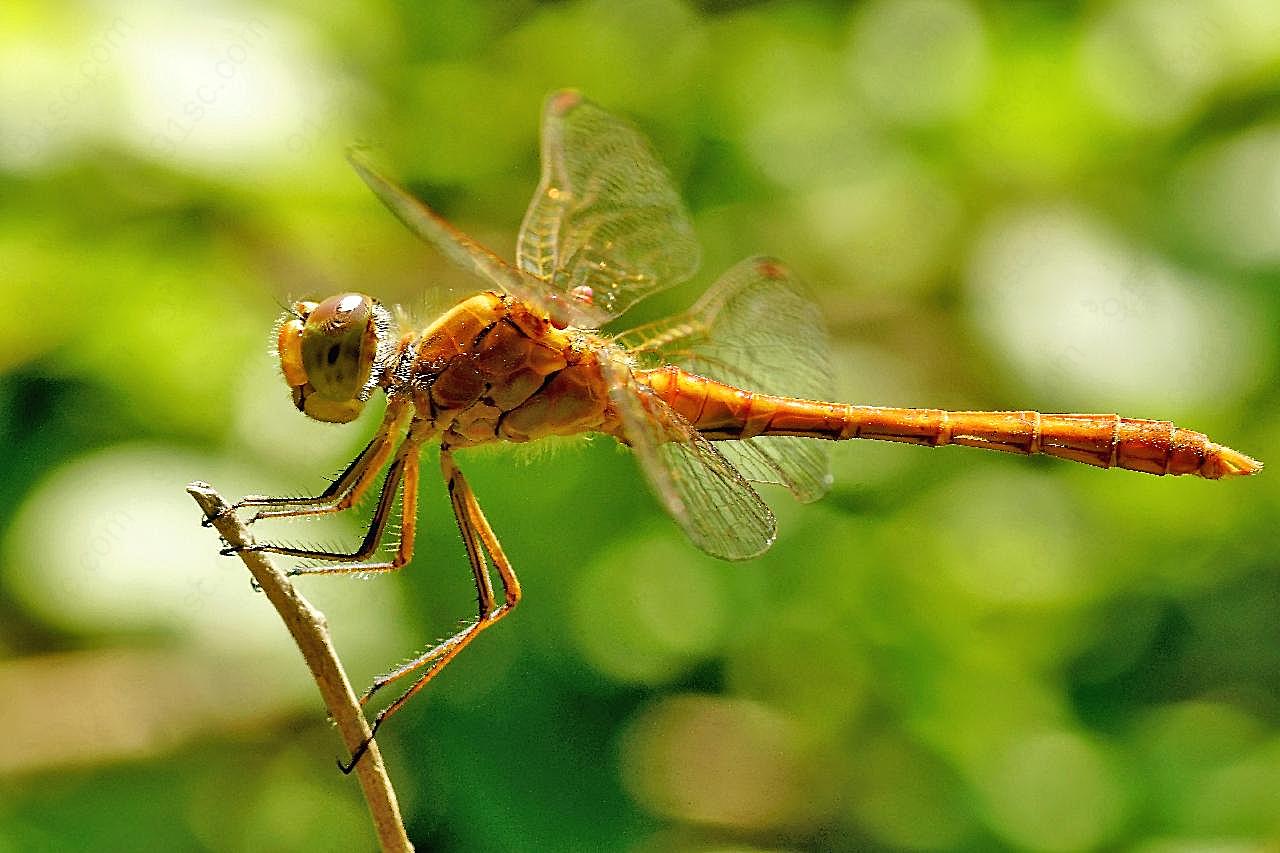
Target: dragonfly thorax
[332, 354]
[495, 369]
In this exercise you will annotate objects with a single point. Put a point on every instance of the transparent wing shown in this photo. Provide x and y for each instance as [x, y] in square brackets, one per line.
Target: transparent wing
[714, 505]
[605, 215]
[458, 247]
[757, 329]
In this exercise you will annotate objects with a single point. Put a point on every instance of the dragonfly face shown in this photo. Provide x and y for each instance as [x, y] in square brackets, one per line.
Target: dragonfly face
[330, 354]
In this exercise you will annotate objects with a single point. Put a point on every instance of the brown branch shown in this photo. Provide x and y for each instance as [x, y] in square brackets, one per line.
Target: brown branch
[310, 632]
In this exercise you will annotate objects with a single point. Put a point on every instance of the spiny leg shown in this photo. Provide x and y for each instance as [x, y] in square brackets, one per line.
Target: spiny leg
[347, 489]
[330, 495]
[401, 475]
[478, 537]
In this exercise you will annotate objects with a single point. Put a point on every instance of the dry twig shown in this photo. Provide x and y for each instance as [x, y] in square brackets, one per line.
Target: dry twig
[310, 632]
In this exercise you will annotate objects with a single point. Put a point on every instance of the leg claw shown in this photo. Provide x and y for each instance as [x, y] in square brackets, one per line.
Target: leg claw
[210, 520]
[356, 756]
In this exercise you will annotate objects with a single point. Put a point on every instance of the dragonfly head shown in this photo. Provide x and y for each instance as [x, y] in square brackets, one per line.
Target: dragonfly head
[334, 353]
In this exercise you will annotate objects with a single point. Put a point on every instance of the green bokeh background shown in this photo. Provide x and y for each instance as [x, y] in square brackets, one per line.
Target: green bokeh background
[1067, 206]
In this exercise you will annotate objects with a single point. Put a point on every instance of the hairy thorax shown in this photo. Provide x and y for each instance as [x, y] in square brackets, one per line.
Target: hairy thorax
[490, 369]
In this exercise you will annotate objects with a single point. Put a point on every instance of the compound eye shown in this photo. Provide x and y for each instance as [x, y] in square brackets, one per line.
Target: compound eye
[339, 342]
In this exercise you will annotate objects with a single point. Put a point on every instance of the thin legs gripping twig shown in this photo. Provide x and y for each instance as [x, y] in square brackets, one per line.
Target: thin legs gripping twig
[350, 485]
[307, 627]
[478, 537]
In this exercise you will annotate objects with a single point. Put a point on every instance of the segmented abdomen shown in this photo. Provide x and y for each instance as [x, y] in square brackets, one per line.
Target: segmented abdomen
[721, 411]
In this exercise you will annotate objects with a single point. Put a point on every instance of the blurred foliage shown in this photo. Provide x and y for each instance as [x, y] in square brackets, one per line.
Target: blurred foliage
[1068, 206]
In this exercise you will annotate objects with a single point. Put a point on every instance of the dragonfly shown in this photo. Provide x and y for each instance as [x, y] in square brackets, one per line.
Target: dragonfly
[731, 393]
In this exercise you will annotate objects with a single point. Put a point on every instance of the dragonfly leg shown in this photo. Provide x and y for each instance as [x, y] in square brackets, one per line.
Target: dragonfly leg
[479, 538]
[346, 489]
[402, 477]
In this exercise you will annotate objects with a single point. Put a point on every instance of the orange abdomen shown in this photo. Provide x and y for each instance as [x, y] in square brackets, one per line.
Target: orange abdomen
[721, 411]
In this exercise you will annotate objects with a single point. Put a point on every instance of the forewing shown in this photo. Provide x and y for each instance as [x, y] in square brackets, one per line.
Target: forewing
[756, 329]
[458, 247]
[605, 215]
[714, 505]
[430, 226]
